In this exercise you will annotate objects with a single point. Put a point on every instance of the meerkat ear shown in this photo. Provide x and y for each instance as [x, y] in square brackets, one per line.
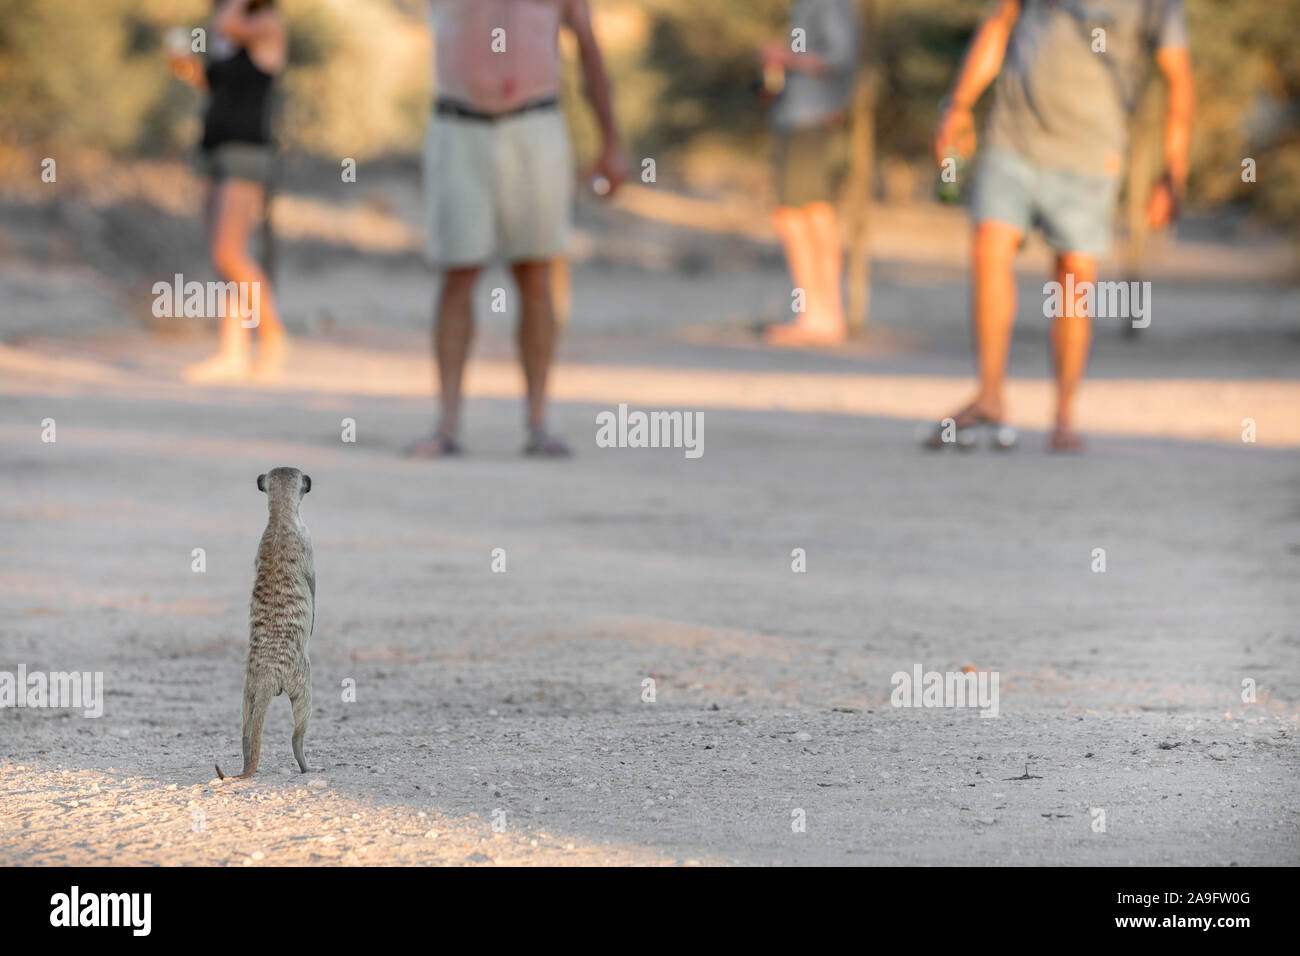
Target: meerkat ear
[261, 482]
[306, 483]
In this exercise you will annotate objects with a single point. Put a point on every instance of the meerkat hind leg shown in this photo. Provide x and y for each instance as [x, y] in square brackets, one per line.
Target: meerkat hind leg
[301, 702]
[253, 732]
[248, 719]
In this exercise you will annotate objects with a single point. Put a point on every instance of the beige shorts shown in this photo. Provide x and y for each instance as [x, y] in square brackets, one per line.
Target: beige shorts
[255, 162]
[498, 189]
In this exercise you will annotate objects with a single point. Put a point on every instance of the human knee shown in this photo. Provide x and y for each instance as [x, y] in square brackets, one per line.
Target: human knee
[995, 245]
[458, 285]
[820, 213]
[229, 259]
[532, 278]
[1080, 265]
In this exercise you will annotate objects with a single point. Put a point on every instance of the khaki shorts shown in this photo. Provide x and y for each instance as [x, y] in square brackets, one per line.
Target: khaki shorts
[808, 162]
[497, 189]
[254, 162]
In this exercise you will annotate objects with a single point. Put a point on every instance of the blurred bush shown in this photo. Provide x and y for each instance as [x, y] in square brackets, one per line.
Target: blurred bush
[91, 73]
[1246, 57]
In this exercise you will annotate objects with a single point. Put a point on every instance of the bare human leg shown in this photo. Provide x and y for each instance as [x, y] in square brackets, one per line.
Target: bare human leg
[235, 206]
[795, 228]
[1071, 341]
[993, 314]
[829, 259]
[453, 331]
[536, 349]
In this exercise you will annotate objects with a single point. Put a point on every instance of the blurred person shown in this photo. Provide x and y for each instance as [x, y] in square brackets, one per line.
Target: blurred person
[247, 50]
[814, 73]
[499, 183]
[1068, 74]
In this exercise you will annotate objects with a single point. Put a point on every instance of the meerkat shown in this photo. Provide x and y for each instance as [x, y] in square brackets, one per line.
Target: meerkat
[281, 616]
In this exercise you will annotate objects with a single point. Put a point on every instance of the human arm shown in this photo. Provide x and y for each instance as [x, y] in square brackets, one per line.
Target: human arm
[611, 163]
[956, 129]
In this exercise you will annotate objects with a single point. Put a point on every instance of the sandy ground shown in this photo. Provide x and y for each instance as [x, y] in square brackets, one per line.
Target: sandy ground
[500, 718]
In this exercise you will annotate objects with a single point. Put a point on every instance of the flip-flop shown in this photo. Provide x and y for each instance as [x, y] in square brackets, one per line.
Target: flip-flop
[1065, 440]
[436, 446]
[542, 445]
[1002, 436]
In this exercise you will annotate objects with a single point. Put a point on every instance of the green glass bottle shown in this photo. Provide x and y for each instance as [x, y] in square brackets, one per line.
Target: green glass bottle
[948, 184]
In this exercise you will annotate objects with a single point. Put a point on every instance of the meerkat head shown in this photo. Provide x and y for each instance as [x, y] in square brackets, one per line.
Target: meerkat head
[284, 484]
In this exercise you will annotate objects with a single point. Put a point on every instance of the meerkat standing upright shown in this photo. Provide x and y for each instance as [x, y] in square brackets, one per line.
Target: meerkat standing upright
[281, 615]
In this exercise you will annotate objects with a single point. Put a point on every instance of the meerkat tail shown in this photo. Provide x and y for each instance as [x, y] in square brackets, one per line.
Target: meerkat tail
[261, 701]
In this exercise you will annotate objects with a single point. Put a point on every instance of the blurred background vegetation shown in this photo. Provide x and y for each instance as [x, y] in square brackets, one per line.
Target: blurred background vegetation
[89, 74]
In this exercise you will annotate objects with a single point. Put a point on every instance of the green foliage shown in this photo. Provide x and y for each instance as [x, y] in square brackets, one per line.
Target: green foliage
[1247, 62]
[1245, 56]
[76, 72]
[705, 55]
[91, 72]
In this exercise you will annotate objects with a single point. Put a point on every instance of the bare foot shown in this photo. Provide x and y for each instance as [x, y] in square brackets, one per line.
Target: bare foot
[222, 367]
[271, 353]
[798, 335]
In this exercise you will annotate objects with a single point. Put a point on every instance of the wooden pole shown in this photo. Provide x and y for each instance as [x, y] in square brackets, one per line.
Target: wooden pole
[856, 201]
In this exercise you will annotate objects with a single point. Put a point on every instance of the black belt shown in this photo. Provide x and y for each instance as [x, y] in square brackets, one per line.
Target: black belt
[452, 108]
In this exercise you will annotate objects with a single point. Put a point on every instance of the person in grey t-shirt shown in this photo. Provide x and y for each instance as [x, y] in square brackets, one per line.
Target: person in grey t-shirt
[814, 69]
[1068, 75]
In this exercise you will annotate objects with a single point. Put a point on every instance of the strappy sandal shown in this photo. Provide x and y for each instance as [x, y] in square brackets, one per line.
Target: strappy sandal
[542, 445]
[436, 446]
[966, 426]
[1065, 440]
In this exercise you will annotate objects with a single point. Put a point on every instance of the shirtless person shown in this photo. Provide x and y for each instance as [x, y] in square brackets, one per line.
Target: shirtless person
[498, 177]
[1068, 73]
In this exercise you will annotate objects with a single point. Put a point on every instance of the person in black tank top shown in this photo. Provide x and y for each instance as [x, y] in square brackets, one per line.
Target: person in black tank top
[239, 102]
[247, 48]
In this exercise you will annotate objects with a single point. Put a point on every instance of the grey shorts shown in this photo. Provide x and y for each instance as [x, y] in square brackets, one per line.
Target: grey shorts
[254, 162]
[1073, 210]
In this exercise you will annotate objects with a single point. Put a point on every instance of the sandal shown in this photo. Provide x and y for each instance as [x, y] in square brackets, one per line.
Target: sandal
[965, 425]
[436, 446]
[542, 445]
[1064, 440]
